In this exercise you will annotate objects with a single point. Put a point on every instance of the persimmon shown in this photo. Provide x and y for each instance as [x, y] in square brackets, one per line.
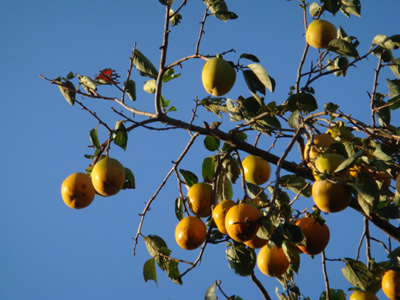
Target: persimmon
[77, 190]
[256, 242]
[108, 176]
[218, 76]
[200, 199]
[190, 233]
[256, 169]
[272, 262]
[391, 284]
[363, 295]
[219, 214]
[331, 197]
[327, 163]
[241, 222]
[316, 235]
[320, 33]
[321, 141]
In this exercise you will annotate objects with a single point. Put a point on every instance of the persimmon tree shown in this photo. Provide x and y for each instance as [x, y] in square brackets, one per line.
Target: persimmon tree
[234, 128]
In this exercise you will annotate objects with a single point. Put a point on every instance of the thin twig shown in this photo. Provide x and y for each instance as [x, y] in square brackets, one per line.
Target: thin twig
[147, 207]
[260, 286]
[325, 276]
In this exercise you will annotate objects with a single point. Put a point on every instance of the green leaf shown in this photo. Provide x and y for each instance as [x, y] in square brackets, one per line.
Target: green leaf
[367, 189]
[304, 102]
[269, 121]
[68, 90]
[149, 271]
[233, 111]
[154, 243]
[293, 232]
[384, 54]
[179, 208]
[296, 184]
[225, 190]
[87, 82]
[130, 89]
[394, 102]
[249, 106]
[251, 57]
[170, 75]
[390, 211]
[383, 113]
[211, 292]
[208, 168]
[220, 10]
[314, 9]
[144, 66]
[357, 273]
[395, 67]
[294, 120]
[215, 105]
[173, 271]
[120, 136]
[384, 41]
[241, 259]
[343, 47]
[332, 6]
[232, 169]
[254, 84]
[349, 161]
[129, 180]
[189, 177]
[70, 76]
[94, 138]
[211, 143]
[150, 86]
[394, 87]
[256, 191]
[175, 19]
[262, 76]
[333, 295]
[266, 229]
[384, 152]
[351, 7]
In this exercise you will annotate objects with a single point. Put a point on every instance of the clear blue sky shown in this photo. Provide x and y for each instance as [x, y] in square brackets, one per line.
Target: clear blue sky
[49, 251]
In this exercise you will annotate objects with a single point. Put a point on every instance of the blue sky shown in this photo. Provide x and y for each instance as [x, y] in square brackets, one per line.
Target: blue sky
[52, 252]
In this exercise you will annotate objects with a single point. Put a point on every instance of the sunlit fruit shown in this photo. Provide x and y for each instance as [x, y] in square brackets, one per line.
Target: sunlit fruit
[108, 176]
[256, 169]
[218, 76]
[363, 295]
[219, 214]
[321, 142]
[327, 163]
[331, 197]
[241, 222]
[200, 199]
[256, 242]
[77, 190]
[320, 33]
[391, 284]
[398, 183]
[272, 262]
[190, 233]
[316, 235]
